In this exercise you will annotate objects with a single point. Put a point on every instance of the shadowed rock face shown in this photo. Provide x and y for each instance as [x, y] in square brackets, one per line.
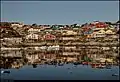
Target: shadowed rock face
[7, 32]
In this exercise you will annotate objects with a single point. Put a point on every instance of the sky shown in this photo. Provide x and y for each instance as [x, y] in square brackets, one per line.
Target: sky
[59, 12]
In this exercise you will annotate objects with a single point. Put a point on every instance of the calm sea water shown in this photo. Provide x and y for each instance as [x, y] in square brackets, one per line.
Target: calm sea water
[66, 72]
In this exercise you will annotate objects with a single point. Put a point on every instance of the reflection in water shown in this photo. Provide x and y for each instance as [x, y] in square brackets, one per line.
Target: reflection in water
[17, 59]
[53, 65]
[34, 65]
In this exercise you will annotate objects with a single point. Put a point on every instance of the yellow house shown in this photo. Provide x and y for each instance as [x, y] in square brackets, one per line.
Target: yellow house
[109, 60]
[70, 32]
[104, 59]
[100, 33]
[109, 32]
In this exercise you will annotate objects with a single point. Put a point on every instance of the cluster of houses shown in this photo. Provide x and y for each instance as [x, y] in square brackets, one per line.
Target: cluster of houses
[92, 30]
[96, 37]
[47, 32]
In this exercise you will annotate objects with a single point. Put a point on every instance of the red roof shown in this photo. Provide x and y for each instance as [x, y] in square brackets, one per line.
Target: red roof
[87, 28]
[4, 27]
[49, 37]
[101, 25]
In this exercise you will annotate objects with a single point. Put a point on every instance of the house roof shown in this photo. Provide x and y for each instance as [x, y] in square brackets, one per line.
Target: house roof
[101, 25]
[49, 36]
[102, 31]
[108, 31]
[4, 26]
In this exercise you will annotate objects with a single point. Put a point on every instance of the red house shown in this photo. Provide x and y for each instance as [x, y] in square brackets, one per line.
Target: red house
[49, 37]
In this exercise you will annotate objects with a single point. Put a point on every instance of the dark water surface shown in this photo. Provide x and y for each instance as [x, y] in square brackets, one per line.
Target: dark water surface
[66, 72]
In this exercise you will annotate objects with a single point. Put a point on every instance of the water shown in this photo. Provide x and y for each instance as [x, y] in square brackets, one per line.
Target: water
[66, 72]
[50, 72]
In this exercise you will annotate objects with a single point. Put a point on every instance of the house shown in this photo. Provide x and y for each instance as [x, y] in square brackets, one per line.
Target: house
[71, 59]
[68, 48]
[15, 53]
[115, 36]
[48, 30]
[32, 36]
[46, 26]
[69, 38]
[88, 32]
[43, 48]
[109, 32]
[112, 27]
[17, 64]
[69, 32]
[53, 47]
[49, 36]
[50, 56]
[34, 30]
[87, 29]
[61, 26]
[70, 53]
[13, 40]
[32, 58]
[100, 33]
[104, 60]
[105, 48]
[100, 25]
[75, 26]
[15, 24]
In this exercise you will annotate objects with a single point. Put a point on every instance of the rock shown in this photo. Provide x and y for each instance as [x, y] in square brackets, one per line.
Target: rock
[8, 72]
[114, 74]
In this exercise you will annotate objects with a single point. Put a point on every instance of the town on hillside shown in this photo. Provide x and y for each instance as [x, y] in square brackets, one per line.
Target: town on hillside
[90, 42]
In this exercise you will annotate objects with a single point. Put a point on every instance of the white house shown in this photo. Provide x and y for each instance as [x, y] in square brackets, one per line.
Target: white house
[33, 30]
[70, 53]
[73, 47]
[32, 36]
[17, 25]
[53, 47]
[14, 40]
[105, 48]
[46, 27]
[11, 54]
[43, 47]
[32, 58]
[69, 38]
